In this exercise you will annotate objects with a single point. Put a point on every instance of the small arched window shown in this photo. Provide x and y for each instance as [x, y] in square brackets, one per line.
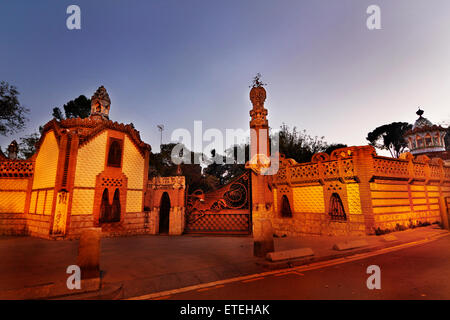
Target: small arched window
[110, 212]
[115, 153]
[428, 141]
[115, 207]
[105, 208]
[336, 210]
[285, 207]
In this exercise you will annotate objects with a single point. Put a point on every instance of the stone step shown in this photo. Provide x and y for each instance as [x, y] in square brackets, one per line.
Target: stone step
[289, 254]
[346, 245]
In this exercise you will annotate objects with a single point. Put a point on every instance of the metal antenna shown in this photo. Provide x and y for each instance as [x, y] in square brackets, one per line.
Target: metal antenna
[161, 129]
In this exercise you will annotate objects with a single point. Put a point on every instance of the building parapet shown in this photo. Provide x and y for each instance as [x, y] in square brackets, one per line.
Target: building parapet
[341, 165]
[16, 168]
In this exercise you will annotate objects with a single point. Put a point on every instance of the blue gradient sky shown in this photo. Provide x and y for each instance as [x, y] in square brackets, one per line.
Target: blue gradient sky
[174, 62]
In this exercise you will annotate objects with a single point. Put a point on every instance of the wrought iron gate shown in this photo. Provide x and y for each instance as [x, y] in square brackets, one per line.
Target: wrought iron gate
[223, 211]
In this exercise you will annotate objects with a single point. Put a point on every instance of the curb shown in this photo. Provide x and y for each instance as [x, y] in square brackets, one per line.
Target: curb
[108, 292]
[289, 254]
[300, 262]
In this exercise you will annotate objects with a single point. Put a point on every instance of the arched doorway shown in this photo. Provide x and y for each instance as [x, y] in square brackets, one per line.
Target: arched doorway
[115, 207]
[105, 208]
[164, 211]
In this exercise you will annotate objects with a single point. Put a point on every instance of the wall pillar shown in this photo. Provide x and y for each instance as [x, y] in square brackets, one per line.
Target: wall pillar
[176, 221]
[363, 163]
[261, 217]
[154, 221]
[262, 197]
[444, 210]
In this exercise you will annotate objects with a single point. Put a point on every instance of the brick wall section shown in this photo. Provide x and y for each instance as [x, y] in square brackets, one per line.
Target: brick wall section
[38, 225]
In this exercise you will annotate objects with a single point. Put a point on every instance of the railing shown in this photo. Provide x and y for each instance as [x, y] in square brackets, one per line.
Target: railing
[311, 172]
[387, 167]
[351, 167]
[409, 169]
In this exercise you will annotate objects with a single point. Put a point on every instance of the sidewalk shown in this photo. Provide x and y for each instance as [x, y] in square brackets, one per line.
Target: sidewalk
[146, 264]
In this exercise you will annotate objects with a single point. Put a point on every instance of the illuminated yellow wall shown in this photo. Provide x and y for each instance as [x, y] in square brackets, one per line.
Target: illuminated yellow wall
[46, 163]
[275, 200]
[13, 195]
[402, 204]
[45, 176]
[133, 165]
[354, 200]
[90, 161]
[309, 199]
[83, 201]
[41, 202]
[134, 201]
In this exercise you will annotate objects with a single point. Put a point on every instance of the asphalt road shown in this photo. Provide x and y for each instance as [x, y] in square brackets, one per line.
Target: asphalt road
[418, 272]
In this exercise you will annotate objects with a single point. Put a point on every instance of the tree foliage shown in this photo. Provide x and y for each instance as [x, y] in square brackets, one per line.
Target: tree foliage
[390, 137]
[12, 114]
[229, 166]
[301, 146]
[77, 108]
[27, 144]
[446, 124]
[160, 164]
[447, 140]
[256, 81]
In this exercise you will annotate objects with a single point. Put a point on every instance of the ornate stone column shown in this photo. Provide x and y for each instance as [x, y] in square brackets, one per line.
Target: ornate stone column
[262, 198]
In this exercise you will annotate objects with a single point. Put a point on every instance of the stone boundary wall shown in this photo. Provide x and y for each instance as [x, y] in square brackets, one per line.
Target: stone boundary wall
[376, 192]
[134, 223]
[409, 191]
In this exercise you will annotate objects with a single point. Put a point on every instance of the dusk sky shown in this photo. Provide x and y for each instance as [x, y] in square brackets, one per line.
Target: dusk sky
[173, 62]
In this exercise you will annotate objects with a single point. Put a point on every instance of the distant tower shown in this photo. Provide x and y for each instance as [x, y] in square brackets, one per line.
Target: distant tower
[425, 137]
[259, 125]
[13, 150]
[100, 104]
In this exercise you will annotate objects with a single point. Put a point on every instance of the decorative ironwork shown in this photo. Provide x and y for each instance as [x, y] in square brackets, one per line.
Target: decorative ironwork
[337, 212]
[221, 211]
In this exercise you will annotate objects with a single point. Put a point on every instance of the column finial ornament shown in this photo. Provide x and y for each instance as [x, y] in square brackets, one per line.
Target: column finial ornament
[100, 104]
[258, 97]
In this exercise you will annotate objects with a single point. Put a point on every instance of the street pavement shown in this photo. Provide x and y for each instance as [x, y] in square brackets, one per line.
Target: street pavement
[416, 272]
[142, 265]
